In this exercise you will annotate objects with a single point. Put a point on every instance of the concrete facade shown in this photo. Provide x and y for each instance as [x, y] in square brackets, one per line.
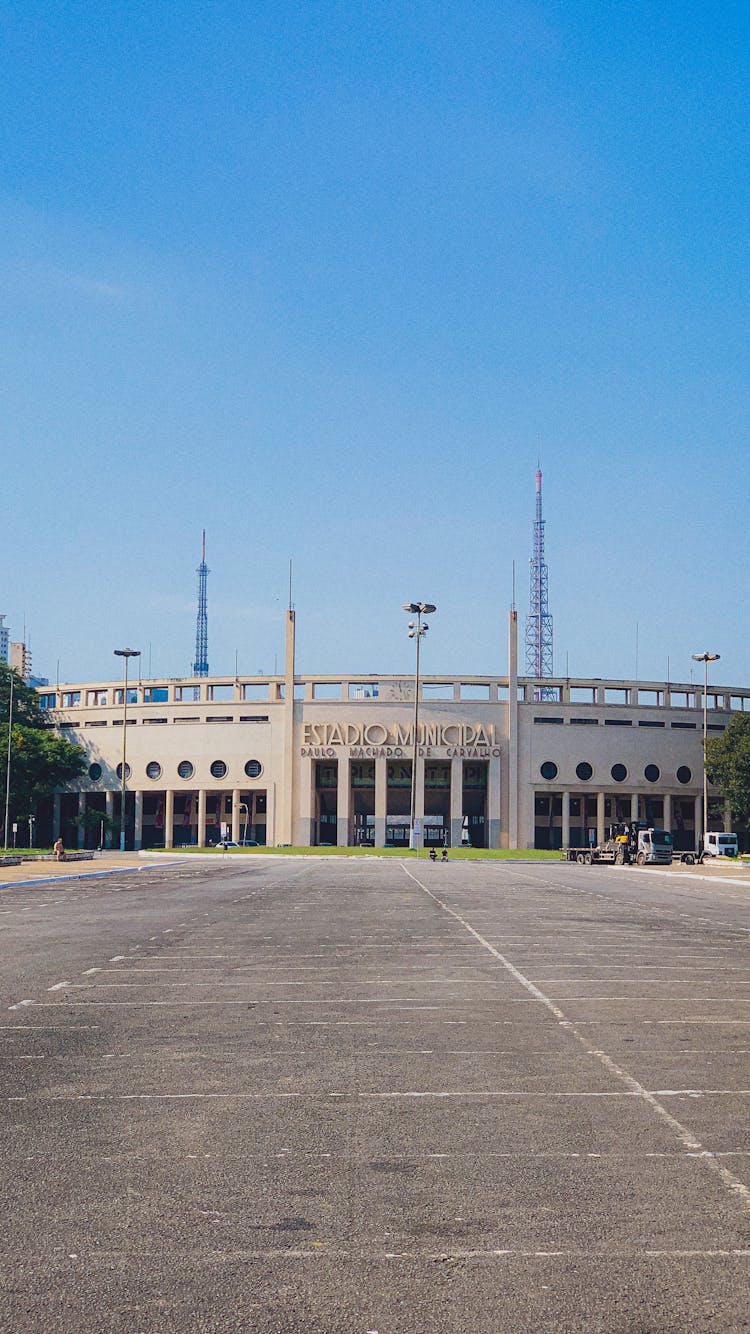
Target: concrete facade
[299, 759]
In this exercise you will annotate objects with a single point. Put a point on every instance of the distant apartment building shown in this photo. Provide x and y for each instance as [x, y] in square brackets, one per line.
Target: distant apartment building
[4, 639]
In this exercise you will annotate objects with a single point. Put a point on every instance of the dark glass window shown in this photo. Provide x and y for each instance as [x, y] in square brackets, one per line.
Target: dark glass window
[584, 771]
[548, 770]
[153, 769]
[95, 772]
[253, 768]
[127, 771]
[652, 773]
[619, 773]
[218, 769]
[185, 769]
[684, 774]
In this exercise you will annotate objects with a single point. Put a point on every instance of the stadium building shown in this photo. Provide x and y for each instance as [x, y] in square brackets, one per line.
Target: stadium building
[501, 761]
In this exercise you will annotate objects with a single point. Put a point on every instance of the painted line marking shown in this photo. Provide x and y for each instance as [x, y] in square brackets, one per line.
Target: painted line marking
[58, 986]
[20, 1004]
[686, 1138]
[90, 972]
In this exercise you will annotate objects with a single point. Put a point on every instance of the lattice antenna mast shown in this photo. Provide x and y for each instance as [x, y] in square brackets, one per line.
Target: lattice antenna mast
[200, 666]
[539, 620]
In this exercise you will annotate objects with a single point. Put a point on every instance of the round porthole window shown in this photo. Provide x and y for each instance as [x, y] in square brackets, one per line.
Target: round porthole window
[584, 771]
[619, 773]
[684, 774]
[651, 772]
[253, 768]
[185, 769]
[153, 769]
[218, 769]
[548, 770]
[127, 772]
[95, 772]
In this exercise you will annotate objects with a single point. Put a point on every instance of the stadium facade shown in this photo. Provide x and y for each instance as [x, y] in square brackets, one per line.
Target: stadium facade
[299, 759]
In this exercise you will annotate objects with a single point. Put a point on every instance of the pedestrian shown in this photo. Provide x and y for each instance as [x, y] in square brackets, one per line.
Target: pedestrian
[444, 855]
[59, 850]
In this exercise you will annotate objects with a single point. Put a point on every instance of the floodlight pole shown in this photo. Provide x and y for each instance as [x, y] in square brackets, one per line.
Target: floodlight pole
[125, 653]
[705, 658]
[417, 629]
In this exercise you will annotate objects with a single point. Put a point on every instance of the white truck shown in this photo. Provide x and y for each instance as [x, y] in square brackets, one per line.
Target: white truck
[719, 845]
[624, 844]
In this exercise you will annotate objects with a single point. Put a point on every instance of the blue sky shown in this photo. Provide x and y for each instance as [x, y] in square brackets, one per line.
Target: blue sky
[323, 278]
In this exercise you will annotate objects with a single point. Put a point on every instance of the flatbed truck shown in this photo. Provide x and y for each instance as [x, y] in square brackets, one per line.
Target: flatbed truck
[624, 844]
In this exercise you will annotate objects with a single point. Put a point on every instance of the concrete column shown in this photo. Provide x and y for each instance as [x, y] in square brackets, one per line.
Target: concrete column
[236, 799]
[511, 775]
[343, 802]
[81, 832]
[494, 793]
[304, 825]
[600, 817]
[633, 807]
[381, 800]
[168, 818]
[667, 819]
[138, 833]
[272, 838]
[201, 817]
[109, 806]
[419, 799]
[457, 801]
[566, 819]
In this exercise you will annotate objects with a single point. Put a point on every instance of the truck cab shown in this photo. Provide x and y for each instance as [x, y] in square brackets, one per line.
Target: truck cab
[719, 845]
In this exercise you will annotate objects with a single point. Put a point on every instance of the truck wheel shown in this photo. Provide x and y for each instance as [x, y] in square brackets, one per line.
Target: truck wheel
[581, 858]
[706, 857]
[641, 859]
[619, 856]
[588, 858]
[688, 859]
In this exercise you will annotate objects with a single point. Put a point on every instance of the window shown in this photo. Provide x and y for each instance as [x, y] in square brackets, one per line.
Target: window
[95, 722]
[71, 699]
[253, 768]
[153, 722]
[253, 717]
[219, 718]
[155, 695]
[540, 719]
[218, 769]
[95, 772]
[618, 722]
[584, 771]
[153, 770]
[619, 773]
[648, 722]
[584, 722]
[684, 774]
[548, 770]
[47, 701]
[127, 772]
[651, 772]
[185, 769]
[686, 726]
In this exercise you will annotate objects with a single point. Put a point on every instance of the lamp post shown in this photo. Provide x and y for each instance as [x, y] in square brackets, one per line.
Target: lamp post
[243, 807]
[417, 629]
[705, 658]
[7, 767]
[125, 653]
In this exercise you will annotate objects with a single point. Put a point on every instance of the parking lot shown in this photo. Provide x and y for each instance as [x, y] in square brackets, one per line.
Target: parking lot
[372, 1096]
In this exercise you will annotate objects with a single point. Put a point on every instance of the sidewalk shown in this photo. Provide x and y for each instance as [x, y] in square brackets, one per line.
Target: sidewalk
[32, 872]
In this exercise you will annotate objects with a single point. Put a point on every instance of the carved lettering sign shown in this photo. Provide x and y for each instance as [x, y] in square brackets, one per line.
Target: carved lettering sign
[372, 740]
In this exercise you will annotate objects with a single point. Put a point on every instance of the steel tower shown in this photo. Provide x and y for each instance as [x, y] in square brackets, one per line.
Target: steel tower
[200, 666]
[539, 620]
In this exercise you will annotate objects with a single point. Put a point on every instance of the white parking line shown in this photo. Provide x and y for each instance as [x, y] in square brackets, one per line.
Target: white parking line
[685, 1136]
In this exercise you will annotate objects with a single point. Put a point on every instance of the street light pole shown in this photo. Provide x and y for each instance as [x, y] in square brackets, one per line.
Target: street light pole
[705, 658]
[417, 629]
[7, 769]
[125, 653]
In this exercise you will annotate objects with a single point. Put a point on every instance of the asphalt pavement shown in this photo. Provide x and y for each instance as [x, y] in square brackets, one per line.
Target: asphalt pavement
[291, 1095]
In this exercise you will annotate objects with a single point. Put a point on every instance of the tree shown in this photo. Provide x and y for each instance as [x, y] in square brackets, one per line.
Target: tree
[40, 761]
[728, 765]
